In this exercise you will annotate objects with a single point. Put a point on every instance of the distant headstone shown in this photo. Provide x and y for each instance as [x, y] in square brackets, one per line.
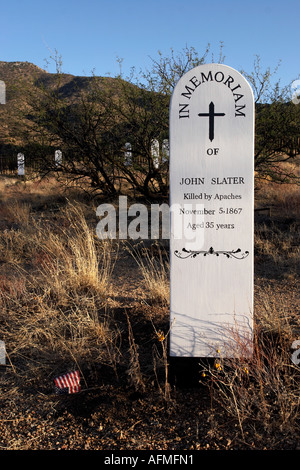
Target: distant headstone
[155, 152]
[2, 92]
[21, 164]
[211, 200]
[2, 353]
[165, 151]
[58, 157]
[128, 154]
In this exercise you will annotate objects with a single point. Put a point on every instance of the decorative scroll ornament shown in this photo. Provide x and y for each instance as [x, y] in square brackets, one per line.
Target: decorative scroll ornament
[237, 254]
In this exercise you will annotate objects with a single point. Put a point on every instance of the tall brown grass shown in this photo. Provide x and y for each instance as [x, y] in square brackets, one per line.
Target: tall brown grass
[153, 265]
[75, 260]
[53, 294]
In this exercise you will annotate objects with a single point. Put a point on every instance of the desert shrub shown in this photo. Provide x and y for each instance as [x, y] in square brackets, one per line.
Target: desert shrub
[55, 312]
[260, 390]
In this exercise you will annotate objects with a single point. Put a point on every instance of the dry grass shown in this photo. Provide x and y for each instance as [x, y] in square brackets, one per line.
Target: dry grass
[53, 292]
[278, 246]
[56, 291]
[74, 260]
[154, 268]
[261, 390]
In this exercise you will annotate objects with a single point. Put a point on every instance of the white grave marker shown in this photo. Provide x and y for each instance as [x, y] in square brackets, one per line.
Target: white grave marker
[21, 164]
[128, 154]
[58, 157]
[2, 353]
[165, 151]
[2, 92]
[211, 200]
[155, 152]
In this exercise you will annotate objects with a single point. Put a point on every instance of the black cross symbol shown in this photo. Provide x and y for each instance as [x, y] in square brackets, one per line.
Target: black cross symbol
[211, 114]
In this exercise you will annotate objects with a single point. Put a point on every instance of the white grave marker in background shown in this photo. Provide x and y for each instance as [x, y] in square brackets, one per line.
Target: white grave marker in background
[21, 164]
[2, 92]
[58, 157]
[2, 353]
[128, 154]
[155, 152]
[165, 151]
[211, 200]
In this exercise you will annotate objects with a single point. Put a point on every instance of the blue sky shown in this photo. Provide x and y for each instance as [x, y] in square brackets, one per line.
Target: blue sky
[91, 34]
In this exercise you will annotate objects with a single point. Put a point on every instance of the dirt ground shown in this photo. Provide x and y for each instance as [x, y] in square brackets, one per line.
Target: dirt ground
[112, 415]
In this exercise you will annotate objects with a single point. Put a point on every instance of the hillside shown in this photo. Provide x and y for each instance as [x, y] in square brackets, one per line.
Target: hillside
[23, 80]
[93, 131]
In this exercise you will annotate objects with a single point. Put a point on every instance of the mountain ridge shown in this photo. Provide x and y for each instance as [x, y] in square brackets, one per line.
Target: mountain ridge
[22, 79]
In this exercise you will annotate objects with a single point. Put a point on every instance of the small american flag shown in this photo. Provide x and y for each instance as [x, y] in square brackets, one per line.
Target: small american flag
[68, 383]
